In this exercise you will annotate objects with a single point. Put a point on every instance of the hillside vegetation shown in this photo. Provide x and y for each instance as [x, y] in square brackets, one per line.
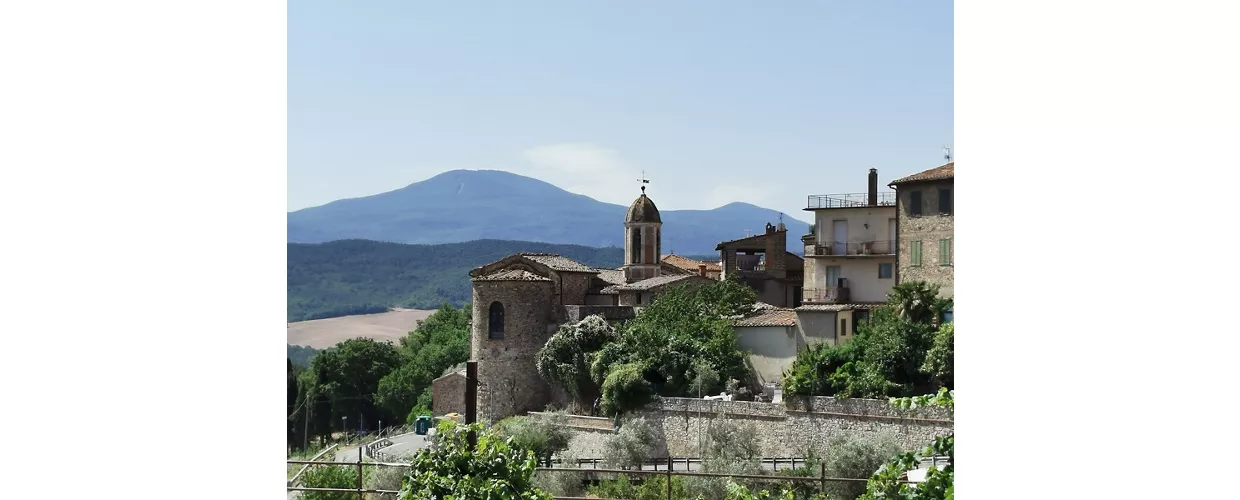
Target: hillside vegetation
[347, 277]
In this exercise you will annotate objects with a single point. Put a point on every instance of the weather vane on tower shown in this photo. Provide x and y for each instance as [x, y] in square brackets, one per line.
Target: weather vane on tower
[644, 181]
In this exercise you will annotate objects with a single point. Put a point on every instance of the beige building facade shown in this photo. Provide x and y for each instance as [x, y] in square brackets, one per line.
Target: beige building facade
[850, 257]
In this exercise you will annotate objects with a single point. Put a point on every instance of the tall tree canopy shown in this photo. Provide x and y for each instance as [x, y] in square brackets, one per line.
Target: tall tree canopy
[891, 355]
[684, 331]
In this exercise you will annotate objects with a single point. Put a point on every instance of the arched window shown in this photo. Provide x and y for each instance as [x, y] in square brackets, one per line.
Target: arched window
[497, 321]
[635, 248]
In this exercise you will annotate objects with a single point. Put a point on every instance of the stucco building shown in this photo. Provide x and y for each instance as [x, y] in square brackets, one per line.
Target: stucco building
[850, 258]
[925, 227]
[521, 300]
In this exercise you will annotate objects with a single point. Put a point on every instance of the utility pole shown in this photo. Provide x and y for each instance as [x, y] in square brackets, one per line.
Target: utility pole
[471, 399]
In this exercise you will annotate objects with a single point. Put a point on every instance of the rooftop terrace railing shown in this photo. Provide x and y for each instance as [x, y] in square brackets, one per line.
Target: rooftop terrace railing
[848, 200]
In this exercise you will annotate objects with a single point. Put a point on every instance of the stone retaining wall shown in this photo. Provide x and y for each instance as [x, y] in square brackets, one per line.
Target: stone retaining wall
[791, 429]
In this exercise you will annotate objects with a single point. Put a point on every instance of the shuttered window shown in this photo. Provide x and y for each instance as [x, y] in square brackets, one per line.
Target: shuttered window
[945, 252]
[914, 253]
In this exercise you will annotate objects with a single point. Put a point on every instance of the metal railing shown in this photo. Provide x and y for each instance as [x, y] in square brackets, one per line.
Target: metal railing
[849, 200]
[851, 248]
[829, 295]
[667, 472]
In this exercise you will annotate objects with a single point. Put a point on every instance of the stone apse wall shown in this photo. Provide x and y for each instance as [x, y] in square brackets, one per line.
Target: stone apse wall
[790, 429]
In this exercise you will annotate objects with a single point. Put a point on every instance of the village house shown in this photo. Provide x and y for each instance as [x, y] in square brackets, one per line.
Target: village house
[763, 263]
[850, 259]
[925, 227]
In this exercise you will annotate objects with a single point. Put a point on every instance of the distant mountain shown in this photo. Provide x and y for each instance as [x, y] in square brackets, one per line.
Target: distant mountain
[467, 205]
[347, 277]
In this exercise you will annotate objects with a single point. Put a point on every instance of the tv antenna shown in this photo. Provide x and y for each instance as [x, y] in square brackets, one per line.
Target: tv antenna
[644, 181]
[947, 153]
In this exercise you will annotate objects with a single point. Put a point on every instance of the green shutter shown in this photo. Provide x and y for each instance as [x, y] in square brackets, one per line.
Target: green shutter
[915, 253]
[945, 252]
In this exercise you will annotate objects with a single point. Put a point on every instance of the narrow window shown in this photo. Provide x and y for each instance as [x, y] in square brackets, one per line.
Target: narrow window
[945, 201]
[884, 271]
[859, 316]
[914, 203]
[945, 252]
[914, 253]
[843, 326]
[635, 251]
[497, 320]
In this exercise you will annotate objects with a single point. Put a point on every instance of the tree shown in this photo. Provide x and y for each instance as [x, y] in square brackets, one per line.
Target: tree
[940, 359]
[439, 342]
[888, 356]
[450, 468]
[631, 445]
[348, 376]
[682, 335]
[626, 388]
[919, 302]
[564, 361]
[545, 435]
[291, 422]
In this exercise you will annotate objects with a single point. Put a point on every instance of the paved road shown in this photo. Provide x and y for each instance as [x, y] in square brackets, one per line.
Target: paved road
[405, 444]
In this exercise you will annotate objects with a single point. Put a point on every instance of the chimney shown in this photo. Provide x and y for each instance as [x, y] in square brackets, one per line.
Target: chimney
[873, 187]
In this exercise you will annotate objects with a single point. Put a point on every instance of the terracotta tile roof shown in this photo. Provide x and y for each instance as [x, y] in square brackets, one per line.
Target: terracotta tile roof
[773, 317]
[839, 307]
[740, 240]
[945, 171]
[689, 264]
[511, 275]
[559, 263]
[652, 283]
[613, 276]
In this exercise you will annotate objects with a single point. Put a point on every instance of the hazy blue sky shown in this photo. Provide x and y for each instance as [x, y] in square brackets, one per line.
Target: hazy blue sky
[718, 101]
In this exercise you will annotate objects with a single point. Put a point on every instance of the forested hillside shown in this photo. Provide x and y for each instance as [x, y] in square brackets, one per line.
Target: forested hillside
[346, 277]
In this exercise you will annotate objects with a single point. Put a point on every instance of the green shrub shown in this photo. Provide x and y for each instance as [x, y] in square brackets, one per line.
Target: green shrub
[450, 468]
[544, 435]
[631, 446]
[625, 389]
[329, 476]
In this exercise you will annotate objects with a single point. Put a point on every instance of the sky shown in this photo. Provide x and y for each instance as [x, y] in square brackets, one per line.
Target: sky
[715, 101]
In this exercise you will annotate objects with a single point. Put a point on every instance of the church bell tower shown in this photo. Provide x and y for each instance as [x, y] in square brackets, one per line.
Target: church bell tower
[642, 238]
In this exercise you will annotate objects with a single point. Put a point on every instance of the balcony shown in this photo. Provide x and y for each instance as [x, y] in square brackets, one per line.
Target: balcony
[849, 200]
[829, 295]
[879, 248]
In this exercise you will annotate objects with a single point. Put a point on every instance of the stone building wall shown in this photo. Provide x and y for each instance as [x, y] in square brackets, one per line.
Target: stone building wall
[784, 430]
[574, 287]
[448, 394]
[510, 384]
[929, 228]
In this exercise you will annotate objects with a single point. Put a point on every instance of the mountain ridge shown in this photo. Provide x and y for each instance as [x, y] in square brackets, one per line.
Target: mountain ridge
[466, 205]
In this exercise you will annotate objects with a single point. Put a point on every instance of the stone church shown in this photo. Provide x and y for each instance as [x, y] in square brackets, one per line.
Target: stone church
[521, 300]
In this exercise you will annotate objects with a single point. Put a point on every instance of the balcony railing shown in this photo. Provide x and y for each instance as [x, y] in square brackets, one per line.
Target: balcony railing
[829, 295]
[852, 249]
[885, 199]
